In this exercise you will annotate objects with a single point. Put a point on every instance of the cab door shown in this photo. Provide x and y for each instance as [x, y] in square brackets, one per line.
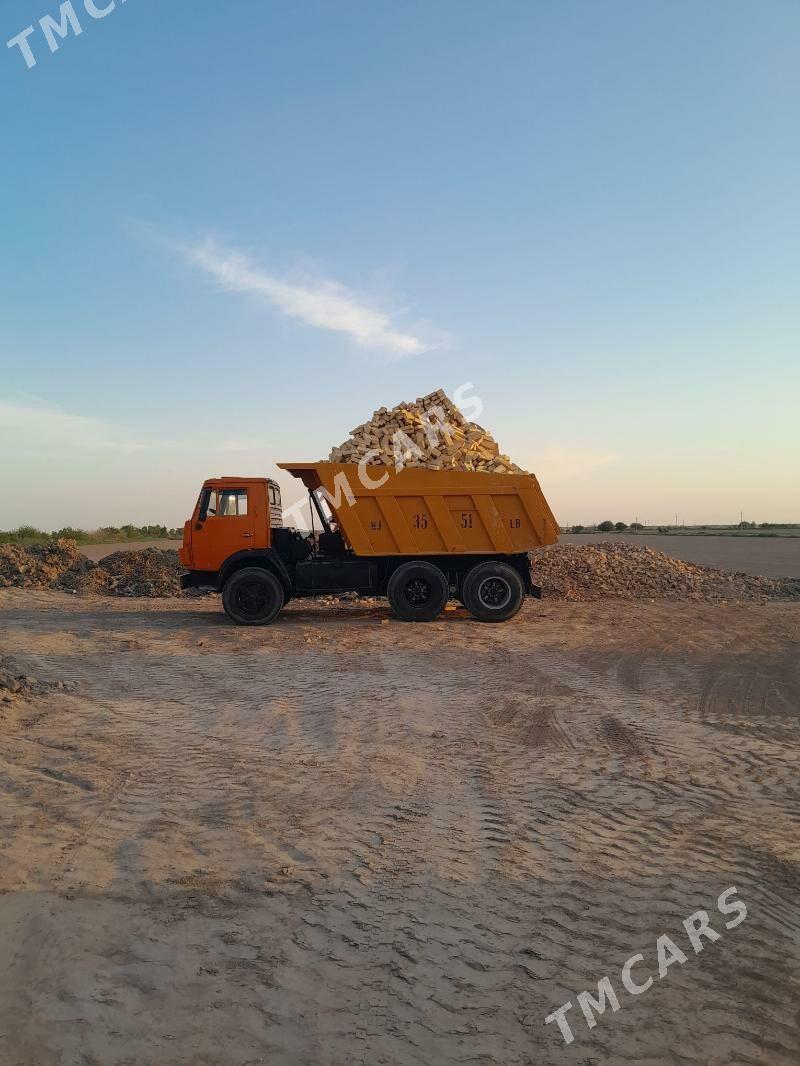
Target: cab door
[225, 523]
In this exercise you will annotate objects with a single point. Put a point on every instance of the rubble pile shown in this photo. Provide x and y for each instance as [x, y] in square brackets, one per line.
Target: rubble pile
[60, 565]
[40, 566]
[431, 432]
[627, 571]
[149, 572]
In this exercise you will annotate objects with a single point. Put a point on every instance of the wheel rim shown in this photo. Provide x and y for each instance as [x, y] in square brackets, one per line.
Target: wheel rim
[418, 592]
[494, 593]
[253, 599]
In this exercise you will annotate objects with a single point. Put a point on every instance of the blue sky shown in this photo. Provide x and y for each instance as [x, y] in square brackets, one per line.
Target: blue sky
[233, 230]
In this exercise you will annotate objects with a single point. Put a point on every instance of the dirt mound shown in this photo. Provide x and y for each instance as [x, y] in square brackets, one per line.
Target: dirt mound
[59, 564]
[149, 572]
[40, 566]
[627, 571]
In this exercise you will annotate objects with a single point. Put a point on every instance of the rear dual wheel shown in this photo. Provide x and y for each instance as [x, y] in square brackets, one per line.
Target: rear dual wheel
[492, 592]
[418, 591]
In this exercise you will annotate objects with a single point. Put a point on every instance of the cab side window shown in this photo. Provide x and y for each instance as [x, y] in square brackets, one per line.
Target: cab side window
[232, 502]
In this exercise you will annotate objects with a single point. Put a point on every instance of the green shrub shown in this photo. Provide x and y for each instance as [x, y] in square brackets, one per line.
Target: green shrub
[27, 533]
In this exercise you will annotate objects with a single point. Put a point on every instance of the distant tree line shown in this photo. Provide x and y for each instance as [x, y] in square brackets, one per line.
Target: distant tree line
[106, 534]
[620, 527]
[607, 527]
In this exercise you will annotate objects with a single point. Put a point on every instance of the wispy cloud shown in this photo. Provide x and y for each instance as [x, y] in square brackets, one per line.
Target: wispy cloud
[324, 304]
[34, 426]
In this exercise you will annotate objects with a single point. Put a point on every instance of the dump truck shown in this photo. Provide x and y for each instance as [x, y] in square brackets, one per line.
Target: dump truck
[416, 536]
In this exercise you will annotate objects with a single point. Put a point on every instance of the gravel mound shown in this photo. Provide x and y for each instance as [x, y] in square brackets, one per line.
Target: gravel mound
[40, 566]
[627, 571]
[60, 565]
[150, 572]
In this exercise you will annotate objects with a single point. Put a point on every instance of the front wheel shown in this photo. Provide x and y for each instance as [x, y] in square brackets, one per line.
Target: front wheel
[252, 597]
[418, 591]
[493, 592]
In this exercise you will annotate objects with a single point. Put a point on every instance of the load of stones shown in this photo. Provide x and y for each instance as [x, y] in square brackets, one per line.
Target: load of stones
[429, 432]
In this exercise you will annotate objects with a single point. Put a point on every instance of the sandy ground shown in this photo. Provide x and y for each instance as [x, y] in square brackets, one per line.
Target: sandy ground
[344, 840]
[764, 556]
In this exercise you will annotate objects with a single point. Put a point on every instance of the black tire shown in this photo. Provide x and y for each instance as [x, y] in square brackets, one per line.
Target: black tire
[252, 597]
[418, 591]
[493, 592]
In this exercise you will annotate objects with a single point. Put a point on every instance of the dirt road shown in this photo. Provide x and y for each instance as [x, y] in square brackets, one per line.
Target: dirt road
[342, 840]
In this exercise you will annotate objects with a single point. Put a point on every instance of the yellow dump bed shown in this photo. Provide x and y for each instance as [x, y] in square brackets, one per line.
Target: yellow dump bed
[416, 512]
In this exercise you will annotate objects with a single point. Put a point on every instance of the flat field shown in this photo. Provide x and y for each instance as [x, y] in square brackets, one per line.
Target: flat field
[345, 839]
[95, 552]
[765, 556]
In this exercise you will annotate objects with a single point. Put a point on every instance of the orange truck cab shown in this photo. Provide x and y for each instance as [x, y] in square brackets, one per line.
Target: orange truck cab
[231, 515]
[416, 536]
